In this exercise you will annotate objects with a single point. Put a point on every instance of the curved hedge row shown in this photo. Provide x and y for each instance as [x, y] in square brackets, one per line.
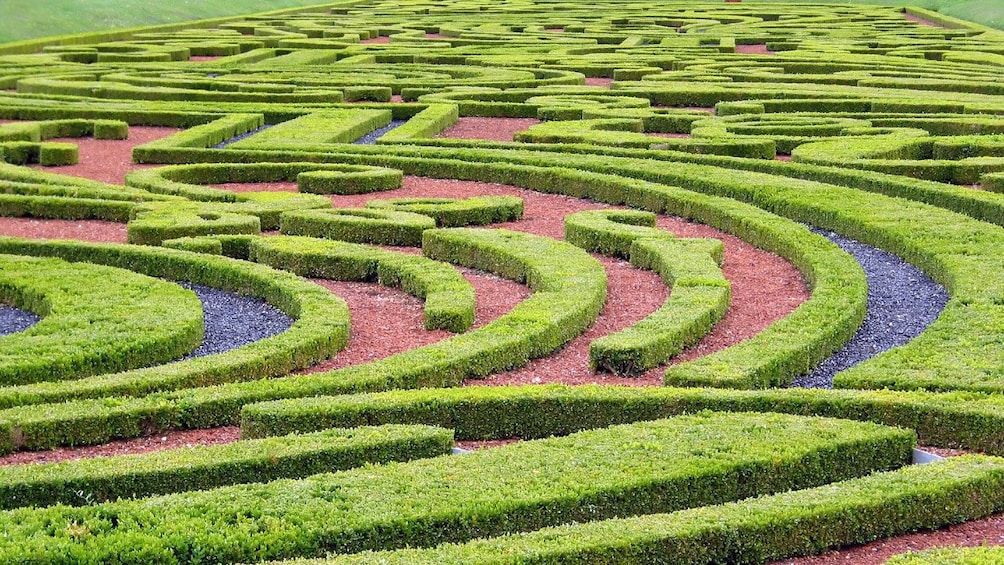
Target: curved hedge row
[94, 320]
[320, 330]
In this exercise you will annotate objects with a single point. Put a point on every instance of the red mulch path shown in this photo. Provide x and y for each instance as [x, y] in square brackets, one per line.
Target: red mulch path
[108, 160]
[599, 81]
[989, 531]
[84, 230]
[158, 442]
[381, 39]
[760, 49]
[386, 321]
[491, 129]
[670, 135]
[203, 58]
[782, 157]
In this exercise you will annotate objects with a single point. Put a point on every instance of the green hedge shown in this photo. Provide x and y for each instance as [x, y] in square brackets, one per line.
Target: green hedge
[432, 120]
[570, 291]
[640, 468]
[449, 298]
[790, 347]
[95, 320]
[611, 232]
[320, 330]
[100, 479]
[351, 181]
[698, 300]
[324, 126]
[759, 530]
[359, 225]
[457, 212]
[956, 420]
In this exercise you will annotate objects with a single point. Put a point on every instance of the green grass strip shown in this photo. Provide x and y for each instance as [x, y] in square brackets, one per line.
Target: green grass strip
[100, 479]
[649, 467]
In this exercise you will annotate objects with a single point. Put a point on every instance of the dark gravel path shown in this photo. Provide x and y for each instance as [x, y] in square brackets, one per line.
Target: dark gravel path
[13, 320]
[233, 320]
[371, 137]
[241, 136]
[902, 302]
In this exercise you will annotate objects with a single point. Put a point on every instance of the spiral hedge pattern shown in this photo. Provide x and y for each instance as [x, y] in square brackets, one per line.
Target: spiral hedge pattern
[762, 120]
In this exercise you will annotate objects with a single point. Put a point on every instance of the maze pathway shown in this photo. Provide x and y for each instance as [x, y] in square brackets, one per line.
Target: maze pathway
[556, 199]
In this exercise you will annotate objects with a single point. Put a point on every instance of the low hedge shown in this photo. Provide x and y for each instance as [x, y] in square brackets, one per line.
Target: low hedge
[457, 212]
[611, 232]
[699, 299]
[151, 224]
[189, 181]
[95, 320]
[951, 556]
[628, 133]
[758, 530]
[432, 120]
[202, 136]
[955, 420]
[321, 327]
[351, 181]
[449, 298]
[791, 346]
[100, 479]
[358, 225]
[641, 468]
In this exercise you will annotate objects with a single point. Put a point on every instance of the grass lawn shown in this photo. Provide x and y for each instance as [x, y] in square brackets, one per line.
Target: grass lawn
[27, 19]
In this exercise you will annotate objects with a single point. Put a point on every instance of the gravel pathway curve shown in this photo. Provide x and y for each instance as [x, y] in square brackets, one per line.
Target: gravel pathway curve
[13, 320]
[902, 302]
[233, 320]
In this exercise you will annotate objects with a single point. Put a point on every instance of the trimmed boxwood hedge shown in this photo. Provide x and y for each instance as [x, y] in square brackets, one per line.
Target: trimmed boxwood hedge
[757, 530]
[95, 320]
[649, 467]
[449, 298]
[956, 420]
[320, 330]
[90, 481]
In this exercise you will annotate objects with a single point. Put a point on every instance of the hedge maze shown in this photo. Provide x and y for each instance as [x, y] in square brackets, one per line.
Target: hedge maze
[883, 125]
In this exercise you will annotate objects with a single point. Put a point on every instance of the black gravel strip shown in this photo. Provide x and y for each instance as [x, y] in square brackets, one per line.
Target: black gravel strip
[13, 320]
[902, 302]
[233, 320]
[242, 136]
[371, 137]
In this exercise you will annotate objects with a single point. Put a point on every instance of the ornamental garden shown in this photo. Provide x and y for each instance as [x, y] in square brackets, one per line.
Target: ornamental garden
[502, 282]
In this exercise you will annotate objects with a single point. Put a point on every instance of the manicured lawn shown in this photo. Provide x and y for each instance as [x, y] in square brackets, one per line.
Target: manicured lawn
[26, 19]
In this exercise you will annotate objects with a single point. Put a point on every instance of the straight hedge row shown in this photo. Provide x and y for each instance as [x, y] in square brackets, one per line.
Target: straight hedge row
[100, 479]
[969, 421]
